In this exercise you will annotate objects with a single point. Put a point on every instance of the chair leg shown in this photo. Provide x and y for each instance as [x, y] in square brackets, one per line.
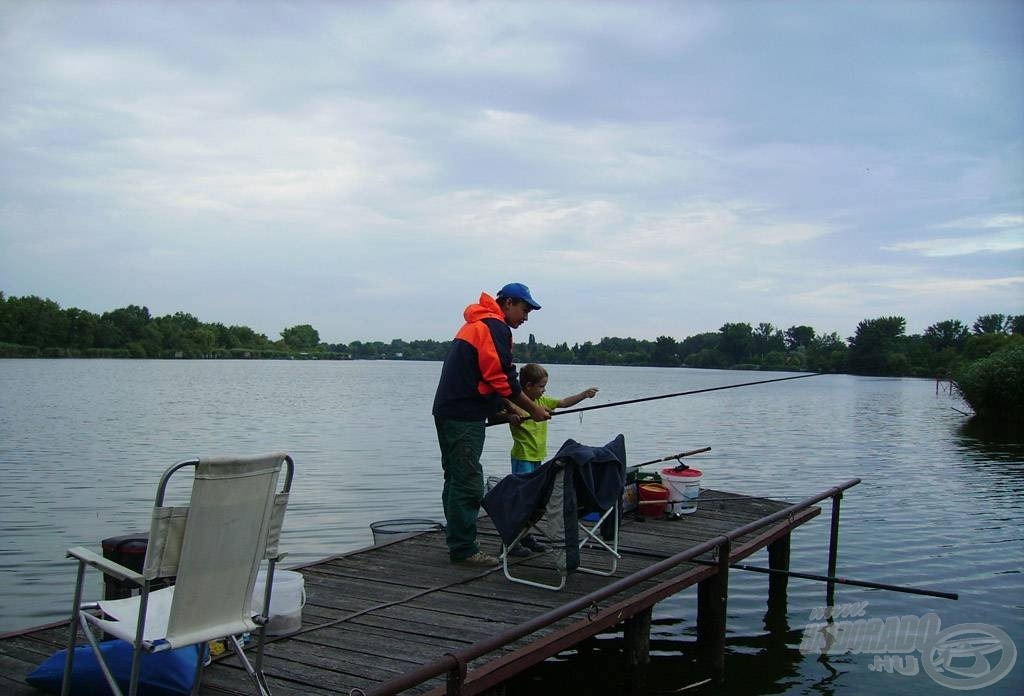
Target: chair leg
[591, 536]
[524, 581]
[257, 678]
[201, 651]
[69, 661]
[140, 631]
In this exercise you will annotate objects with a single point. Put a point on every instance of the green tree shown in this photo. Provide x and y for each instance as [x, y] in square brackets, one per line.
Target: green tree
[766, 339]
[994, 386]
[33, 321]
[244, 337]
[946, 334]
[709, 358]
[130, 322]
[302, 337]
[983, 345]
[692, 345]
[531, 348]
[736, 342]
[799, 337]
[666, 352]
[827, 353]
[990, 323]
[875, 349]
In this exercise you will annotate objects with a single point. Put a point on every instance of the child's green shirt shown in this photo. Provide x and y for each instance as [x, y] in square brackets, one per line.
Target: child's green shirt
[530, 438]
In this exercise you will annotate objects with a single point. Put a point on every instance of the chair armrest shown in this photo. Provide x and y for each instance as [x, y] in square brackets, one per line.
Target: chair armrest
[105, 565]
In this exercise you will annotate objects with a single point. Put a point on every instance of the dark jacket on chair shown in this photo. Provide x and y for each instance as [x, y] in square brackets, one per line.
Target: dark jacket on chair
[593, 481]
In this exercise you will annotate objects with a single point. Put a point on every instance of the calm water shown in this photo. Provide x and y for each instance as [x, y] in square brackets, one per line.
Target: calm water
[82, 444]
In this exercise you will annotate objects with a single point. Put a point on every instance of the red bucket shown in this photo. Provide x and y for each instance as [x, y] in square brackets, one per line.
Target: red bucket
[653, 498]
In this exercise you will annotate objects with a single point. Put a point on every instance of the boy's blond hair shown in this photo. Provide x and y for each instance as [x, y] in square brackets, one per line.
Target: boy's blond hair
[531, 373]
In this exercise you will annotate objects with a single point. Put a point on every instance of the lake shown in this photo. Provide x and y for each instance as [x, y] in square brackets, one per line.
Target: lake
[82, 445]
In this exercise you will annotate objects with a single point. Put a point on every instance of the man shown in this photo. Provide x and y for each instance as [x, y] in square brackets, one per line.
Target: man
[477, 375]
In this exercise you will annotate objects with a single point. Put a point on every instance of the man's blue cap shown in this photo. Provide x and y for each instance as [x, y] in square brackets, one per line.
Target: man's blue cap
[518, 291]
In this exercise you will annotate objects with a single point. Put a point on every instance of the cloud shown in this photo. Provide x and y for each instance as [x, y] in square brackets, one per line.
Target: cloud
[1008, 236]
[637, 163]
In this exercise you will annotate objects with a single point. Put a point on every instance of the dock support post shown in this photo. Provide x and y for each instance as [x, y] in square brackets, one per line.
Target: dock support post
[778, 583]
[712, 606]
[636, 634]
[833, 550]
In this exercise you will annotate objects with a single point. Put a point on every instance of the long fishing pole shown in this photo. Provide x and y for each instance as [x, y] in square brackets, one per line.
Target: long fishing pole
[685, 393]
[669, 396]
[657, 553]
[840, 580]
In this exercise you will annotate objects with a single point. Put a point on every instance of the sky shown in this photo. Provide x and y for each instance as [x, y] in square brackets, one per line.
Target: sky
[647, 168]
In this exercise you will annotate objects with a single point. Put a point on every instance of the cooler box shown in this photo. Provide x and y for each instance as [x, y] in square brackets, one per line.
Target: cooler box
[128, 550]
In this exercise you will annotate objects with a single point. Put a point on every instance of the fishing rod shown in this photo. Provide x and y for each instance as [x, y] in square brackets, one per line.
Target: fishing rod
[839, 580]
[906, 589]
[685, 393]
[668, 396]
[671, 457]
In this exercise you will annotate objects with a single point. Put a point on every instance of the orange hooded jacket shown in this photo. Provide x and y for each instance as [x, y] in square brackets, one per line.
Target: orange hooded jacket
[478, 368]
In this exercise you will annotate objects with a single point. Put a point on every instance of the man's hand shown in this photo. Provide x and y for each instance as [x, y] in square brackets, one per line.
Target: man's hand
[539, 413]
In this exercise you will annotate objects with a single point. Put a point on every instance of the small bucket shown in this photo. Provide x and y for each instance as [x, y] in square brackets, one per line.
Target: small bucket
[287, 597]
[392, 530]
[684, 488]
[653, 497]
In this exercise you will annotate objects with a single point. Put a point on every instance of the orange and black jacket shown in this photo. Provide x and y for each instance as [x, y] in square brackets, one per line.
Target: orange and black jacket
[478, 369]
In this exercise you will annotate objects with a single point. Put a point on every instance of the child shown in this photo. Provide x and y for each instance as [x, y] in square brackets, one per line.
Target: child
[530, 437]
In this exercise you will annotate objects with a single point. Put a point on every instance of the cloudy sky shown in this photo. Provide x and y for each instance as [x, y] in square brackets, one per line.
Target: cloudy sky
[651, 168]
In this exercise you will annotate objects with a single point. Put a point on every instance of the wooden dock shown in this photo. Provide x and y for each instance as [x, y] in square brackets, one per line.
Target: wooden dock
[400, 618]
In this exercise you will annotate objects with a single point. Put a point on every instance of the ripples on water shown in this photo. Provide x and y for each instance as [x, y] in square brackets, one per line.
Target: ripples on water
[82, 444]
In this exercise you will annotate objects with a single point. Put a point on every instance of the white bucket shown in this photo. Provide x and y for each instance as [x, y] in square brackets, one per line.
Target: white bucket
[287, 598]
[683, 490]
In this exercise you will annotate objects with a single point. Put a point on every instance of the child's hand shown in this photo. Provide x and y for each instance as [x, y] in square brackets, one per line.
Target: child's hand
[515, 418]
[590, 393]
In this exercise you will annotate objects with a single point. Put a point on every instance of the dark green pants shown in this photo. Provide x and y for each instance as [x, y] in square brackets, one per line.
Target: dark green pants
[462, 443]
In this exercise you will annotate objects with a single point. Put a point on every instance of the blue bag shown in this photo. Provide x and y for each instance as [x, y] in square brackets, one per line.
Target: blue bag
[169, 673]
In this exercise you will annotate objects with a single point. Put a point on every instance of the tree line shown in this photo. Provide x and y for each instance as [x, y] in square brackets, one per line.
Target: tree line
[31, 326]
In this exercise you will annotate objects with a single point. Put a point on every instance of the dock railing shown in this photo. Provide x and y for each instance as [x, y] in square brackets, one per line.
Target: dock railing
[454, 664]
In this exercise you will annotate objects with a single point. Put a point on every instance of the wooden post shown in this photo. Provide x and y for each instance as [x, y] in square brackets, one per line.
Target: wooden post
[636, 634]
[833, 550]
[778, 559]
[712, 606]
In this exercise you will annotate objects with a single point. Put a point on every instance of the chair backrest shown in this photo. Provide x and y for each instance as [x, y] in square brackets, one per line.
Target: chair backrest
[216, 544]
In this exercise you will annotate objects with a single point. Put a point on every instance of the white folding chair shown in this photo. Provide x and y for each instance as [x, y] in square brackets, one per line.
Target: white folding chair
[214, 548]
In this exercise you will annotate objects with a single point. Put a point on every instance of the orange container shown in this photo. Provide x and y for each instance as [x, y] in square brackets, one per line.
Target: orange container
[653, 498]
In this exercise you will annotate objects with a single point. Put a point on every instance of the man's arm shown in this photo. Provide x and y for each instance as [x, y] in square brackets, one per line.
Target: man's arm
[536, 411]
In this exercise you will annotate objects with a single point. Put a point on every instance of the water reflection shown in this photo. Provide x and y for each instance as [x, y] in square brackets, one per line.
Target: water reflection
[1001, 441]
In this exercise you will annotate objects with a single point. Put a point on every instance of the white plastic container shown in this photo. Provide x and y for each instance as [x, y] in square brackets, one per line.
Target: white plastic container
[287, 598]
[683, 490]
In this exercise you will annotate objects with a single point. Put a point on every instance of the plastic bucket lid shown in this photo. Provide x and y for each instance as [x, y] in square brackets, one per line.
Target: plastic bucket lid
[685, 473]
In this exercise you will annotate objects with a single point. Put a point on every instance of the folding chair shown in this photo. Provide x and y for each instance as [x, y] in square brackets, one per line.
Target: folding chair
[569, 499]
[214, 547]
